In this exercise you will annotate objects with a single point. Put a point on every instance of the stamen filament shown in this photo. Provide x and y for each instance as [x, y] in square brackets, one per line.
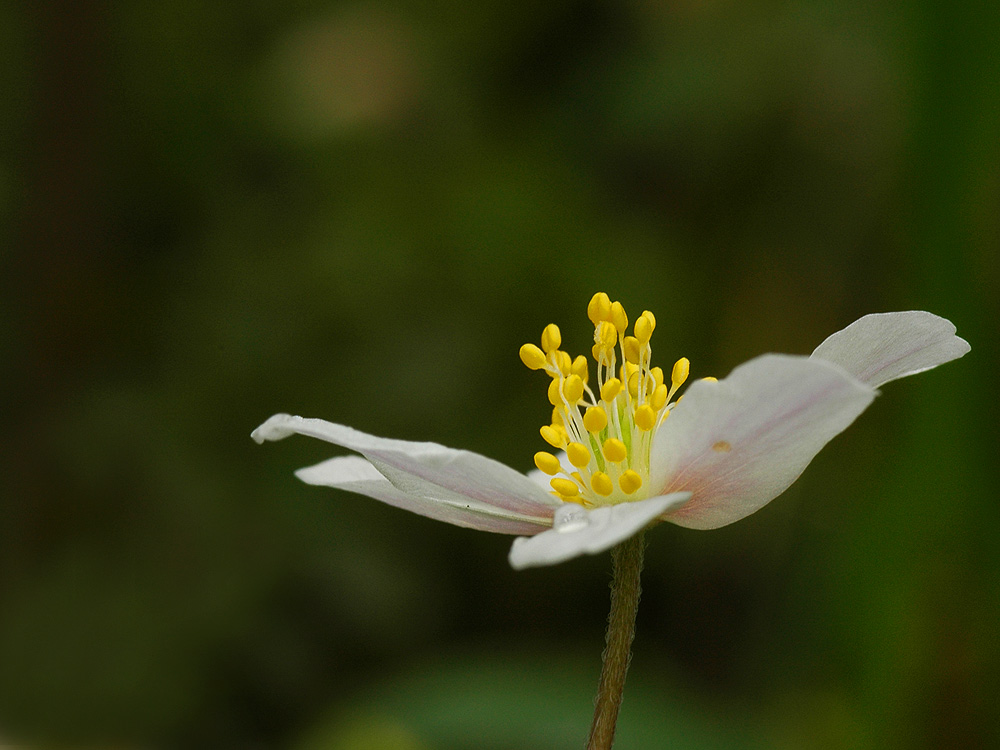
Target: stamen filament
[606, 427]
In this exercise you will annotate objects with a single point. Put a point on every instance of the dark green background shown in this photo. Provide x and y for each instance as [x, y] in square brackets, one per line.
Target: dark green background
[359, 212]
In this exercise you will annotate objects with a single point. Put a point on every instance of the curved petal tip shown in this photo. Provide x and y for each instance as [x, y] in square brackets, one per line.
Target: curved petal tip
[274, 428]
[883, 347]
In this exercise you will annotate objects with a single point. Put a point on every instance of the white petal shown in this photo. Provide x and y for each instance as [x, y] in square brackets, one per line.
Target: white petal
[885, 346]
[426, 470]
[577, 531]
[738, 443]
[355, 474]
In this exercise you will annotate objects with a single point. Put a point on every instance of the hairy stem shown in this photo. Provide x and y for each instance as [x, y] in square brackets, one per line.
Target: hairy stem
[625, 589]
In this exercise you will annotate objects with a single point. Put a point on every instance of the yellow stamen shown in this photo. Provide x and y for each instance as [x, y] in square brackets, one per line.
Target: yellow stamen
[599, 308]
[680, 372]
[618, 317]
[659, 398]
[551, 338]
[532, 356]
[579, 454]
[565, 486]
[710, 379]
[643, 328]
[605, 335]
[645, 418]
[606, 439]
[573, 388]
[595, 419]
[562, 361]
[614, 450]
[631, 348]
[630, 481]
[611, 388]
[548, 463]
[601, 484]
[555, 392]
[633, 385]
[553, 435]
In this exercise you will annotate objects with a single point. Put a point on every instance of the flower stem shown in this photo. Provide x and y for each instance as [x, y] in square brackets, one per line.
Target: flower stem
[627, 561]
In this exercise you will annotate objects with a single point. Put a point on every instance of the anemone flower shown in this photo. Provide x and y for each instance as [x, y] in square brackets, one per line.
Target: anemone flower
[628, 454]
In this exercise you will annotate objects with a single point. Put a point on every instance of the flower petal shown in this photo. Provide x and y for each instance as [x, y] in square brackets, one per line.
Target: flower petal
[885, 346]
[738, 443]
[577, 531]
[426, 469]
[355, 474]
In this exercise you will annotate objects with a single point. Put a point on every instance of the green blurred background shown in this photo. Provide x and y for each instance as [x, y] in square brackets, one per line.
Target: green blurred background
[359, 211]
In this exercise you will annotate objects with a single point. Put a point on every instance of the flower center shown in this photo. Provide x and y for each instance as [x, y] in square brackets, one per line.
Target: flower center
[607, 431]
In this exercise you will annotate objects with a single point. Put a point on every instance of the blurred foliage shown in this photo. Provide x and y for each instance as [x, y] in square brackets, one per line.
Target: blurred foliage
[359, 211]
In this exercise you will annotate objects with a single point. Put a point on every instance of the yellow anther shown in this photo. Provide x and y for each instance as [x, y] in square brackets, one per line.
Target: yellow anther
[614, 450]
[648, 406]
[633, 385]
[555, 387]
[565, 486]
[645, 417]
[611, 388]
[548, 463]
[532, 356]
[710, 379]
[553, 435]
[579, 454]
[605, 335]
[659, 398]
[595, 419]
[573, 388]
[631, 348]
[601, 484]
[680, 372]
[599, 308]
[618, 317]
[643, 328]
[562, 361]
[551, 338]
[630, 481]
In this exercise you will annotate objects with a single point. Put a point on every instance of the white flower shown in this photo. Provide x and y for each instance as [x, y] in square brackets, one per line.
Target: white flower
[727, 450]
